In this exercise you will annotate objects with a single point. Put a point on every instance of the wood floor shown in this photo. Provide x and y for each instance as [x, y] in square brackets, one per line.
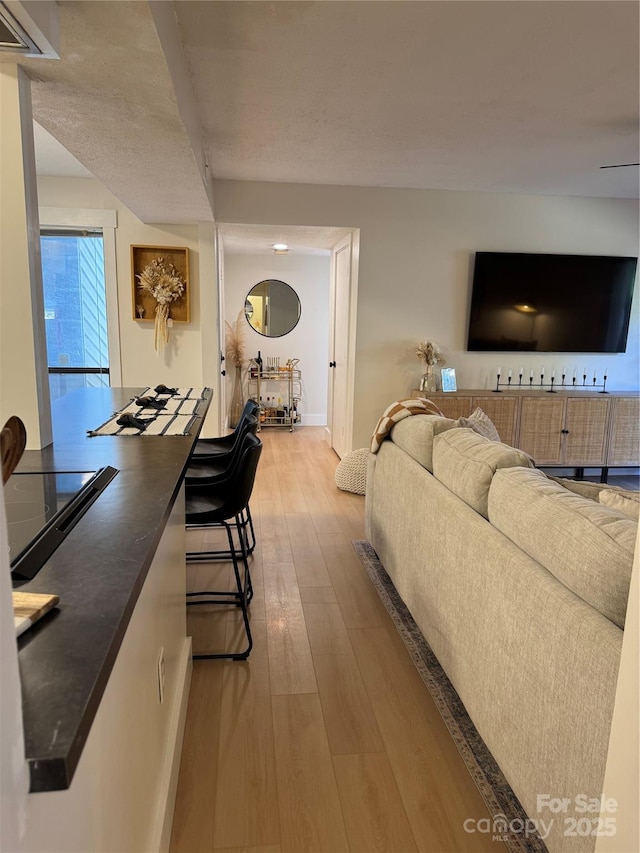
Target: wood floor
[326, 738]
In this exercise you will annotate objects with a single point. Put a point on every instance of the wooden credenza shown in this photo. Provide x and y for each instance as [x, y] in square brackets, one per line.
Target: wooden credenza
[573, 429]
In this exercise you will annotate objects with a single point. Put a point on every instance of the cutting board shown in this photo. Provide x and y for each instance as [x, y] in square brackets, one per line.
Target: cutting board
[28, 607]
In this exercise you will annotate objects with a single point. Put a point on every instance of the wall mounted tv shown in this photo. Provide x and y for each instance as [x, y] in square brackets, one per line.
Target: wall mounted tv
[550, 303]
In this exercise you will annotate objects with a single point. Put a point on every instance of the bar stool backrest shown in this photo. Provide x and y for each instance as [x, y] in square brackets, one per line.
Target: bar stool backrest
[233, 498]
[239, 488]
[198, 479]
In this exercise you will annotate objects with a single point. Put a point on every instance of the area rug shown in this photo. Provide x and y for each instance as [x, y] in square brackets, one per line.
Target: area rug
[509, 819]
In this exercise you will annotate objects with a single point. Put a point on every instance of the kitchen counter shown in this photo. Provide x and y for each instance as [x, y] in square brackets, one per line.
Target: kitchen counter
[98, 572]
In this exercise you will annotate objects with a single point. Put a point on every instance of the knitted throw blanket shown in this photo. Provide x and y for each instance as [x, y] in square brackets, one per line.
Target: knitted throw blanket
[397, 412]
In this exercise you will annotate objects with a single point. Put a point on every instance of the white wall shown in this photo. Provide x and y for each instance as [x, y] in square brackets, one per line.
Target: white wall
[414, 283]
[24, 389]
[181, 362]
[308, 275]
[415, 271]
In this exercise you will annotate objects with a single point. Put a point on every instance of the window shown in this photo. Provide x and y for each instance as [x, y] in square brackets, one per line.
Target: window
[75, 309]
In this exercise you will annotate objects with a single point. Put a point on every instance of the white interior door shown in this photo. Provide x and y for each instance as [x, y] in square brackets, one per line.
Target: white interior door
[340, 402]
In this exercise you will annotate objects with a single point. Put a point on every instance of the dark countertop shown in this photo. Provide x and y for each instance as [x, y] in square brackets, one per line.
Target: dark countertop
[98, 571]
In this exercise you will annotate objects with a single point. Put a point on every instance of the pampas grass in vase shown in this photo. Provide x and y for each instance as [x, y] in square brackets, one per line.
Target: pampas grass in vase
[235, 353]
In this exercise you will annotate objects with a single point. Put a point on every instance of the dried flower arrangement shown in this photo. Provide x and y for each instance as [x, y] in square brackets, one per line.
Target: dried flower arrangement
[165, 284]
[235, 353]
[234, 340]
[429, 353]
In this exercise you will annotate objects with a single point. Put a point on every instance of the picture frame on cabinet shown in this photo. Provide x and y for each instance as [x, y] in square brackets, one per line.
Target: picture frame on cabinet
[448, 379]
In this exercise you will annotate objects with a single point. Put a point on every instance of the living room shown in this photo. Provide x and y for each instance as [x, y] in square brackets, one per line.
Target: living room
[416, 241]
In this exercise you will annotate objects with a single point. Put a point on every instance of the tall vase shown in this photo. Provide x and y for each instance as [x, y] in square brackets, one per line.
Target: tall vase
[428, 383]
[237, 399]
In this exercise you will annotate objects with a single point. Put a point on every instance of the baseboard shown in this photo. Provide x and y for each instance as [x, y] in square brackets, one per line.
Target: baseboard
[170, 771]
[314, 420]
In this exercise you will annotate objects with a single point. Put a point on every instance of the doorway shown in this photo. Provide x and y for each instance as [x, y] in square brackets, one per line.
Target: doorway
[248, 259]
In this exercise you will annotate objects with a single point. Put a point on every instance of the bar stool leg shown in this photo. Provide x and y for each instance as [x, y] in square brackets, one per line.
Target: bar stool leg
[239, 598]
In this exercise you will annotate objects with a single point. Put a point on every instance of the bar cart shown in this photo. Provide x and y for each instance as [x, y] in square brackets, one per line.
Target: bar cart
[278, 391]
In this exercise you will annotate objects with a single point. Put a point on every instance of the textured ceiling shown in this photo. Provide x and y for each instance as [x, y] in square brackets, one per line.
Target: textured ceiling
[258, 239]
[110, 101]
[53, 159]
[491, 96]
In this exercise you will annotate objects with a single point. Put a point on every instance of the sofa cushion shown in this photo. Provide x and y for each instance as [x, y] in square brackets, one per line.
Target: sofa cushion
[592, 490]
[586, 546]
[415, 436]
[581, 487]
[465, 463]
[627, 503]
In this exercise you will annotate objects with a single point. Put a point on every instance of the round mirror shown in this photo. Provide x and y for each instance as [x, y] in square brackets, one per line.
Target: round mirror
[272, 308]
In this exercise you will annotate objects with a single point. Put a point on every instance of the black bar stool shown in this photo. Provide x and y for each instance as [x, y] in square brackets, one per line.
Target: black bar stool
[212, 506]
[223, 444]
[221, 470]
[208, 466]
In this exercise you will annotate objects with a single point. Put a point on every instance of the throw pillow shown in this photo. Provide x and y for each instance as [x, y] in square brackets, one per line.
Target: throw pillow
[480, 422]
[629, 503]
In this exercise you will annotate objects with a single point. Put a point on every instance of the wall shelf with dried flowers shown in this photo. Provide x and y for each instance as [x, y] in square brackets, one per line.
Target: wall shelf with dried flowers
[160, 287]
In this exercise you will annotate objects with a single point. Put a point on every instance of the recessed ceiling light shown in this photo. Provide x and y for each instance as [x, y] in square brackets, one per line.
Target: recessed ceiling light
[280, 248]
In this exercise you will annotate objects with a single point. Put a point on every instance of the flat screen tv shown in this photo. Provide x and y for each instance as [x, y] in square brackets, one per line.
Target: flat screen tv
[550, 303]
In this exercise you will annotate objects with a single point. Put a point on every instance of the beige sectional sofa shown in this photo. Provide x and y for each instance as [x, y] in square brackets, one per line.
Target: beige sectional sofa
[520, 587]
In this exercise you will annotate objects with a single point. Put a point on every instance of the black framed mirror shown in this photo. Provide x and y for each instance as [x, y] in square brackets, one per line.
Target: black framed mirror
[272, 308]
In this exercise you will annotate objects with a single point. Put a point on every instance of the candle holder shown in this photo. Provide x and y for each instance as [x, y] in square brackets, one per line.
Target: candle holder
[551, 387]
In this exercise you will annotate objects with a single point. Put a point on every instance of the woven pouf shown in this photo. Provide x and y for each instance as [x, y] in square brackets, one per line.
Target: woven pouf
[351, 473]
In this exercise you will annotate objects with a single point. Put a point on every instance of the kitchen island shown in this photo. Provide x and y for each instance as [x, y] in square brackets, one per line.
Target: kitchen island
[105, 675]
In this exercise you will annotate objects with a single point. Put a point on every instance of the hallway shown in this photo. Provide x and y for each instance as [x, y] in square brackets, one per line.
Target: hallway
[326, 739]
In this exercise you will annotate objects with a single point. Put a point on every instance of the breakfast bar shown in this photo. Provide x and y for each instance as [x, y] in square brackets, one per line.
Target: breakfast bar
[103, 573]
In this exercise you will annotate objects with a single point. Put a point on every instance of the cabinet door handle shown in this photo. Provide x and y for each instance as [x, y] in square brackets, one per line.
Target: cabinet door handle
[565, 432]
[332, 364]
[223, 373]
